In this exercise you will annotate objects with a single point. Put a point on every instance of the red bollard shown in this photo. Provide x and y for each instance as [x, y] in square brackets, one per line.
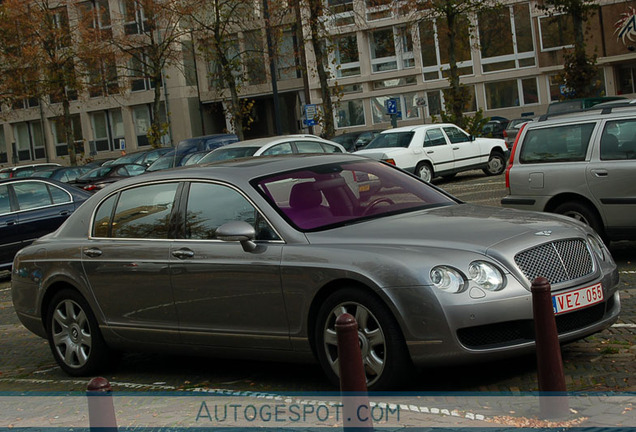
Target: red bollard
[549, 363]
[101, 411]
[356, 408]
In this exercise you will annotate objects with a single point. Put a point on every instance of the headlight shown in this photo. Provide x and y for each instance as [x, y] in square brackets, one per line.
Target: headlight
[486, 276]
[597, 247]
[448, 279]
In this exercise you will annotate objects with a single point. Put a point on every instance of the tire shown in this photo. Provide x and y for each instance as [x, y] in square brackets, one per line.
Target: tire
[384, 353]
[424, 171]
[582, 213]
[496, 164]
[74, 336]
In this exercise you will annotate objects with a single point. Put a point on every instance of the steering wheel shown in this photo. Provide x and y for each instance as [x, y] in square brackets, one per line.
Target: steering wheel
[375, 202]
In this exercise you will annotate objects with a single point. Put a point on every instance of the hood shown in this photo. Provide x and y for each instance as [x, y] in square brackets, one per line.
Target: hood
[461, 226]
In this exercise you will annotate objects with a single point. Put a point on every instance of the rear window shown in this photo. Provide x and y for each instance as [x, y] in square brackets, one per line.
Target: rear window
[567, 143]
[391, 140]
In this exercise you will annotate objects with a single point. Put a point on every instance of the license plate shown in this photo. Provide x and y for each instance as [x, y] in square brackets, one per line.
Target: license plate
[577, 299]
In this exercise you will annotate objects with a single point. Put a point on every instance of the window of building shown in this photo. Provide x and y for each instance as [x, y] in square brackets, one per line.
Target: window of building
[435, 101]
[69, 76]
[142, 118]
[29, 140]
[351, 88]
[434, 49]
[287, 62]
[350, 113]
[511, 93]
[341, 12]
[626, 79]
[108, 129]
[253, 54]
[556, 32]
[406, 105]
[3, 146]
[189, 63]
[559, 91]
[102, 77]
[391, 49]
[395, 82]
[135, 21]
[96, 14]
[61, 147]
[345, 58]
[215, 71]
[59, 18]
[378, 9]
[505, 38]
[140, 72]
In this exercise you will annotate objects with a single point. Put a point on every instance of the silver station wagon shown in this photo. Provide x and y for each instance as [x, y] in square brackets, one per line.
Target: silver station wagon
[256, 258]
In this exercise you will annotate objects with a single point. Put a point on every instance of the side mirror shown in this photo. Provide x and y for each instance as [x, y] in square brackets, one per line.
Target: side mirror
[238, 231]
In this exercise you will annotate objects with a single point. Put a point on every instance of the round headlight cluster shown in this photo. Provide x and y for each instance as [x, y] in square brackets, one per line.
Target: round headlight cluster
[486, 276]
[448, 279]
[480, 273]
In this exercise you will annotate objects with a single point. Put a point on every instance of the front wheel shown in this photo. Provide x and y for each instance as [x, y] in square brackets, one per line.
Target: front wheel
[74, 336]
[384, 353]
[496, 164]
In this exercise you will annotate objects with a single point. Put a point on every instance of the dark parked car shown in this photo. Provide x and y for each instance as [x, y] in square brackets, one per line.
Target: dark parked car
[353, 141]
[494, 128]
[30, 208]
[186, 148]
[257, 257]
[145, 157]
[63, 174]
[24, 170]
[97, 178]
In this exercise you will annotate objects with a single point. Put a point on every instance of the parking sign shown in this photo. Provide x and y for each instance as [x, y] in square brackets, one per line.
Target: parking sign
[391, 106]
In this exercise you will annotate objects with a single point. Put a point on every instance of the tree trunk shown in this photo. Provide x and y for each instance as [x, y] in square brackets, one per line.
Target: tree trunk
[68, 129]
[315, 7]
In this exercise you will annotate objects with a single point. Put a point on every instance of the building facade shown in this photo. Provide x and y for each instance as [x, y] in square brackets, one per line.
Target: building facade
[509, 61]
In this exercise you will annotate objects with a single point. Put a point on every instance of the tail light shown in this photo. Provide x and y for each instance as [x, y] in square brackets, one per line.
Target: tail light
[391, 161]
[512, 155]
[90, 187]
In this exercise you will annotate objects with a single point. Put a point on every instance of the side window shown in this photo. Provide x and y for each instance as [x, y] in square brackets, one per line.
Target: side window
[618, 140]
[434, 137]
[5, 204]
[101, 221]
[32, 195]
[284, 148]
[144, 212]
[59, 196]
[567, 143]
[309, 147]
[456, 135]
[328, 148]
[134, 170]
[205, 214]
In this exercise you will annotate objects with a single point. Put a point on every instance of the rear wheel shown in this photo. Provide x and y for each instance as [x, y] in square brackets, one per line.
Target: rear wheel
[496, 164]
[74, 336]
[384, 353]
[582, 213]
[424, 171]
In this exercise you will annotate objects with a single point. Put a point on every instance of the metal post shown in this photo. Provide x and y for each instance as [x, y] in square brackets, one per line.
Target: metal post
[553, 398]
[353, 381]
[101, 411]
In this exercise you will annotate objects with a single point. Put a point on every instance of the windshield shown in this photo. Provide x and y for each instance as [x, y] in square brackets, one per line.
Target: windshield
[225, 153]
[96, 173]
[391, 140]
[164, 162]
[338, 194]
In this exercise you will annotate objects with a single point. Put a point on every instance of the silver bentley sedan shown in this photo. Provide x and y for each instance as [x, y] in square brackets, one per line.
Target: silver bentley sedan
[256, 258]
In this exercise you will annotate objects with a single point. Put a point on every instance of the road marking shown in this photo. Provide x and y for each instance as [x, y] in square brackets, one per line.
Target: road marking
[624, 325]
[5, 289]
[628, 272]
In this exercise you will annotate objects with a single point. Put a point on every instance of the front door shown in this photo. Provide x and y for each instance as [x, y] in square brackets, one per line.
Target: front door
[227, 297]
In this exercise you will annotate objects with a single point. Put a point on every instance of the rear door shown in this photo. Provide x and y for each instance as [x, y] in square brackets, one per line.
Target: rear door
[126, 260]
[438, 150]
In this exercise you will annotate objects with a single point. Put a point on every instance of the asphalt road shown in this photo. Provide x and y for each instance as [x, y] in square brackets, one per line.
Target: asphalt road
[603, 362]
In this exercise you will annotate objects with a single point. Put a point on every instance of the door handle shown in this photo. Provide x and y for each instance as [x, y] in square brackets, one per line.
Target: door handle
[183, 253]
[10, 222]
[455, 148]
[65, 213]
[430, 152]
[92, 252]
[600, 173]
